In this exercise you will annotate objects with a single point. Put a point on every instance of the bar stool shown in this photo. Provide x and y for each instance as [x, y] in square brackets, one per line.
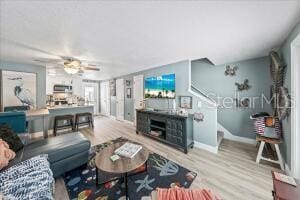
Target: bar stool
[276, 142]
[82, 119]
[62, 122]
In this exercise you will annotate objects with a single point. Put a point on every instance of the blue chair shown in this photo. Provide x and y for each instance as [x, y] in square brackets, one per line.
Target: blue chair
[15, 119]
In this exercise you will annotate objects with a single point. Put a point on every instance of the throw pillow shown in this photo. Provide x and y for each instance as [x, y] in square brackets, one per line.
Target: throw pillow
[10, 137]
[5, 154]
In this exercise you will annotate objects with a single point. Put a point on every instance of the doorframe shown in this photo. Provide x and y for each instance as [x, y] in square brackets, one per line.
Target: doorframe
[96, 86]
[295, 111]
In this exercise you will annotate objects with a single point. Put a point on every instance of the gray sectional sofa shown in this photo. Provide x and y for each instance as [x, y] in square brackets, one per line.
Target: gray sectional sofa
[65, 152]
[30, 175]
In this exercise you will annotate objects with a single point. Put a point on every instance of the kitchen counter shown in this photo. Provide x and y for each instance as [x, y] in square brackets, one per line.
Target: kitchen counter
[38, 125]
[68, 110]
[68, 107]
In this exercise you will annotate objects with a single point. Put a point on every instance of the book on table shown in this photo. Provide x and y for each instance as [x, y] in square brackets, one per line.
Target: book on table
[128, 150]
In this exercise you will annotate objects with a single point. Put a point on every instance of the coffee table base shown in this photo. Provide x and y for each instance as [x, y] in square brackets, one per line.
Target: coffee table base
[125, 177]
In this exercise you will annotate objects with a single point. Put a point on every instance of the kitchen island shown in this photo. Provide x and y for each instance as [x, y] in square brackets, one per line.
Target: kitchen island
[67, 110]
[36, 125]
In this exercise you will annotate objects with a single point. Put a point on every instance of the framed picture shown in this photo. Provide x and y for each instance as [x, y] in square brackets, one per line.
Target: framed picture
[185, 102]
[128, 82]
[18, 89]
[128, 93]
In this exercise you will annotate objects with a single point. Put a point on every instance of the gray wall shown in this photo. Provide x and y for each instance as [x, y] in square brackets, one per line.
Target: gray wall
[41, 84]
[204, 132]
[128, 101]
[286, 54]
[211, 80]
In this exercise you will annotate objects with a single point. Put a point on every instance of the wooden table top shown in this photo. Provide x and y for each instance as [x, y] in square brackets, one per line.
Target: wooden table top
[286, 191]
[122, 165]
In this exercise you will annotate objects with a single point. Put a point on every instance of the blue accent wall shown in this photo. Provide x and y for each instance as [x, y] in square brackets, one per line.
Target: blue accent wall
[286, 55]
[212, 80]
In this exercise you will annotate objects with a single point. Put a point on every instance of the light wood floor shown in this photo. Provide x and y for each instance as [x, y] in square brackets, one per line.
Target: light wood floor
[232, 173]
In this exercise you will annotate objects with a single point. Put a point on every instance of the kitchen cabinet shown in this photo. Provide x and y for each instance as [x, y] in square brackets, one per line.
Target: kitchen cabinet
[75, 82]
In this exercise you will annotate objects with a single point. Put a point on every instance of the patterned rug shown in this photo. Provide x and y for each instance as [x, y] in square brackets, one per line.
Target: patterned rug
[161, 172]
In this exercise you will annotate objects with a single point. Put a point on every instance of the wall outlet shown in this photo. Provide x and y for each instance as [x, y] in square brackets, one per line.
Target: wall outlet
[199, 104]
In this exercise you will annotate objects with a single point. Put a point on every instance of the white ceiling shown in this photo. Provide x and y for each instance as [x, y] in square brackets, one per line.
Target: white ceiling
[129, 36]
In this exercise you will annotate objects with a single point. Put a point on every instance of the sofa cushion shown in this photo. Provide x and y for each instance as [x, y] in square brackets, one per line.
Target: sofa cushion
[57, 148]
[30, 179]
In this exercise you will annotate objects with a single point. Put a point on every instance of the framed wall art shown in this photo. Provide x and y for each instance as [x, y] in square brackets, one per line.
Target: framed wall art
[185, 102]
[18, 89]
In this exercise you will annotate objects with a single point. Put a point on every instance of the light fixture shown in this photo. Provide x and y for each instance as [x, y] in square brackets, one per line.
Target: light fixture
[71, 70]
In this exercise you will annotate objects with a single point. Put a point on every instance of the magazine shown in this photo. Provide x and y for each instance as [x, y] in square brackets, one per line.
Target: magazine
[128, 150]
[285, 178]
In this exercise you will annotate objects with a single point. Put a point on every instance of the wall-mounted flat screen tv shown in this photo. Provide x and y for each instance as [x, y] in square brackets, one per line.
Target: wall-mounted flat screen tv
[160, 86]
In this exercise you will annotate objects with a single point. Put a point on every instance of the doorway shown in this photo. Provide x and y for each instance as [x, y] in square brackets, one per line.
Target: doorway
[295, 90]
[91, 95]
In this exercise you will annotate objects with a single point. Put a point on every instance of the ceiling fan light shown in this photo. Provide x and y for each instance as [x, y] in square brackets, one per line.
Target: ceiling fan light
[71, 70]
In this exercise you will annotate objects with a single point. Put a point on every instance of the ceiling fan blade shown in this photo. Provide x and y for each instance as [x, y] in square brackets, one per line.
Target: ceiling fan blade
[90, 68]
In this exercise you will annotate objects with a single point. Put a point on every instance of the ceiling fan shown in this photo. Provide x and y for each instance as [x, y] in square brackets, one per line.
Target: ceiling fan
[71, 65]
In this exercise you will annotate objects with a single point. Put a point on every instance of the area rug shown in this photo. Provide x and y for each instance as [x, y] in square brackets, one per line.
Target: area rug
[161, 172]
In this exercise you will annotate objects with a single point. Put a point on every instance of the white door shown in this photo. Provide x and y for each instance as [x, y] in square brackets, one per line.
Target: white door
[105, 98]
[138, 93]
[120, 99]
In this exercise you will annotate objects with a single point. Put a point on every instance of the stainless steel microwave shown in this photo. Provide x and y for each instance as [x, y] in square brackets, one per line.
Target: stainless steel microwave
[62, 88]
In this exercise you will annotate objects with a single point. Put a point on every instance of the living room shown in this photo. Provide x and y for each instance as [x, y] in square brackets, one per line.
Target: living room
[200, 95]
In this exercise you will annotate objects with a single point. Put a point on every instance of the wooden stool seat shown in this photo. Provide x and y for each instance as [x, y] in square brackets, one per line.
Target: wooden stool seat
[68, 122]
[89, 121]
[268, 140]
[275, 142]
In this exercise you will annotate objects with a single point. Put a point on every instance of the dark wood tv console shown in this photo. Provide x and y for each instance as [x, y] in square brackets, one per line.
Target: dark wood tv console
[172, 129]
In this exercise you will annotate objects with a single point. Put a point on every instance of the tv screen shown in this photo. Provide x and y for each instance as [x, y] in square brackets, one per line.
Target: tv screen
[160, 86]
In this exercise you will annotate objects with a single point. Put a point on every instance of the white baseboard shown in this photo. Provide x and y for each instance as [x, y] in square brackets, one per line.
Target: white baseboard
[206, 147]
[229, 136]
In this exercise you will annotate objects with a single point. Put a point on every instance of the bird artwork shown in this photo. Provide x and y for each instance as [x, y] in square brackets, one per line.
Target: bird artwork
[23, 94]
[243, 86]
[230, 71]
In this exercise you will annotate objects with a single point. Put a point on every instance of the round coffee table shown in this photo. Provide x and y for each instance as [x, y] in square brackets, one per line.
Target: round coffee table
[123, 165]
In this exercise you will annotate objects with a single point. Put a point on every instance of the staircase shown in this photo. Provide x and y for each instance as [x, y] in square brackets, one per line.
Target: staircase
[197, 92]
